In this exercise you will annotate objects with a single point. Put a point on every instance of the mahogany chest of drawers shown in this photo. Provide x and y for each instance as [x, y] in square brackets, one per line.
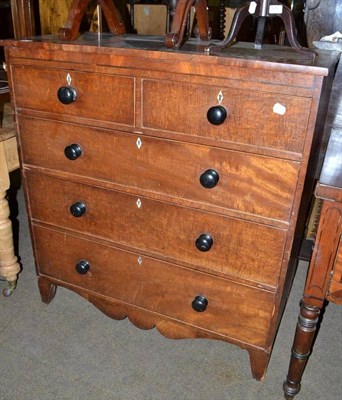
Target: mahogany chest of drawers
[166, 186]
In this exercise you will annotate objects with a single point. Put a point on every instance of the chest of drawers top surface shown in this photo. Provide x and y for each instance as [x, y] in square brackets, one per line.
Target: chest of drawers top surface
[152, 49]
[172, 180]
[167, 93]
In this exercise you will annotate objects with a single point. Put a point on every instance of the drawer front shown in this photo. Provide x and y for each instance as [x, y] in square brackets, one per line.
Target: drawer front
[248, 250]
[99, 96]
[157, 286]
[250, 117]
[251, 184]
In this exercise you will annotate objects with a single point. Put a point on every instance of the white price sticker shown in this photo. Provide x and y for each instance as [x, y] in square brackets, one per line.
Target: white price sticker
[276, 9]
[252, 7]
[279, 109]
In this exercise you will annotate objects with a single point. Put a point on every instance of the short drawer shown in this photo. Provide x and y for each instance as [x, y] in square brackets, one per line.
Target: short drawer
[258, 185]
[252, 117]
[99, 96]
[239, 248]
[233, 310]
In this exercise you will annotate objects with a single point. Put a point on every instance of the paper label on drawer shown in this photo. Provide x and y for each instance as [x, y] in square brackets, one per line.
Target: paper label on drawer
[279, 109]
[276, 9]
[252, 7]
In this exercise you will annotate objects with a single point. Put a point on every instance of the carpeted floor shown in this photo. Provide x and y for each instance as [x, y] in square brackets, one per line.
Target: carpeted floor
[69, 350]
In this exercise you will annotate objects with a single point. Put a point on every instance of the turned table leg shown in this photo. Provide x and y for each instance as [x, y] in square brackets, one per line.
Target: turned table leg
[9, 267]
[316, 288]
[302, 344]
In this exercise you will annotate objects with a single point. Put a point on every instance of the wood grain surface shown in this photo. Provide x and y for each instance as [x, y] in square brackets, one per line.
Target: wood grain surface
[157, 286]
[247, 183]
[144, 199]
[100, 97]
[241, 249]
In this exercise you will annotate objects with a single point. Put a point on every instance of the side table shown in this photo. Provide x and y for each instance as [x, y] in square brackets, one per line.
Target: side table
[324, 280]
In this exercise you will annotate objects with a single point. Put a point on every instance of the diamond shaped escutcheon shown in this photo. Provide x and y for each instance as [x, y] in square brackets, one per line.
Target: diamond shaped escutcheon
[220, 97]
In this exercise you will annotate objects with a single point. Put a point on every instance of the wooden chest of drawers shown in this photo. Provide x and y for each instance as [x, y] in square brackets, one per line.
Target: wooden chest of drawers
[166, 186]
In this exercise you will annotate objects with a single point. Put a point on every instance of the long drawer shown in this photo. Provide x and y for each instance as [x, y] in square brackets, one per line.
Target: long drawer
[230, 246]
[99, 96]
[251, 184]
[157, 286]
[258, 119]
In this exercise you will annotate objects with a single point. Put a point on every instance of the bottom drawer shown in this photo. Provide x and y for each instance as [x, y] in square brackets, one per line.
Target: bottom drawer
[234, 310]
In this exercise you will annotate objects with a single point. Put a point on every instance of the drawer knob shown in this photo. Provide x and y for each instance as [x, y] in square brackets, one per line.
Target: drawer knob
[73, 151]
[216, 115]
[66, 94]
[209, 178]
[199, 303]
[78, 209]
[204, 242]
[82, 267]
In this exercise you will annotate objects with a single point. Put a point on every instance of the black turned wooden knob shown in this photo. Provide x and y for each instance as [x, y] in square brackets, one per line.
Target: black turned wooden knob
[82, 267]
[216, 115]
[73, 151]
[204, 242]
[199, 303]
[78, 209]
[66, 94]
[209, 178]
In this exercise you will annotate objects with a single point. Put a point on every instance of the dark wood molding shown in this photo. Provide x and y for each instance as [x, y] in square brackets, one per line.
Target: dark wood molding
[23, 18]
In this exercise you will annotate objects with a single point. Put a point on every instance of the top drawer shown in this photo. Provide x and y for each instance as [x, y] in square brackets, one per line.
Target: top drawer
[98, 96]
[252, 117]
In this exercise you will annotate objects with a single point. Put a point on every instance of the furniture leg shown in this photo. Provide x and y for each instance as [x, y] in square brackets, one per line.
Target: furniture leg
[259, 361]
[203, 19]
[290, 29]
[9, 267]
[222, 19]
[240, 15]
[47, 290]
[71, 29]
[302, 344]
[175, 38]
